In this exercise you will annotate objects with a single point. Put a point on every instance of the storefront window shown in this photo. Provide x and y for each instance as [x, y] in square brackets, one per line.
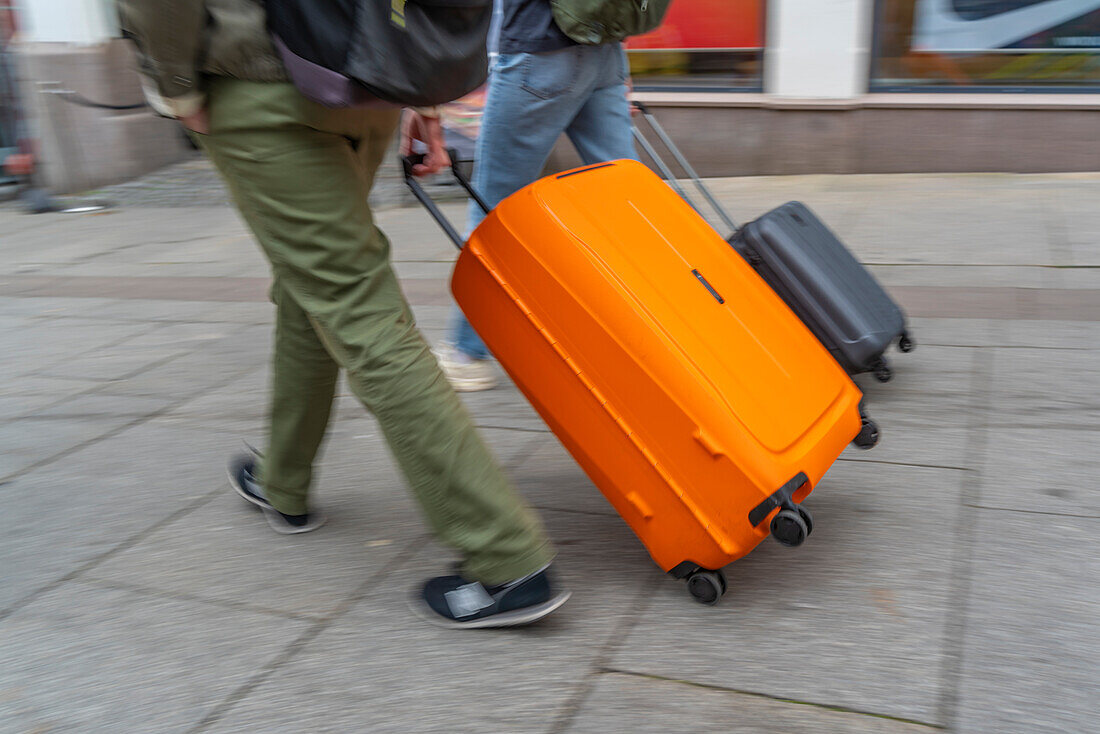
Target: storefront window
[1032, 45]
[702, 45]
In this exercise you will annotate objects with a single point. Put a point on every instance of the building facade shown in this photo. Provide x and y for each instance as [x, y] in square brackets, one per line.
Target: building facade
[745, 87]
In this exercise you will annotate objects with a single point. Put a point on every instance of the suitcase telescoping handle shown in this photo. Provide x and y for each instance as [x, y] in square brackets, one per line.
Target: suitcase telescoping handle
[680, 159]
[407, 163]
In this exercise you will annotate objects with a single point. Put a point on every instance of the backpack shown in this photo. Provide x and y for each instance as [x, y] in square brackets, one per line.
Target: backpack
[344, 53]
[593, 22]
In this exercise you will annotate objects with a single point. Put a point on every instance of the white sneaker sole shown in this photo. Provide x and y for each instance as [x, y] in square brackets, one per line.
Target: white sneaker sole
[468, 385]
[514, 618]
[281, 526]
[245, 495]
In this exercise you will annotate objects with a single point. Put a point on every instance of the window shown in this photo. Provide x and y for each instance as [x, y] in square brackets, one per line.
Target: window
[1033, 45]
[702, 45]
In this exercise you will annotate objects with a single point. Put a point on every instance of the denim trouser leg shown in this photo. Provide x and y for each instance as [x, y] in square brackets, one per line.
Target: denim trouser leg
[532, 100]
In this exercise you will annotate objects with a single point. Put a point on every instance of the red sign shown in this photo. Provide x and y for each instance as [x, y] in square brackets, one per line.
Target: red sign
[707, 24]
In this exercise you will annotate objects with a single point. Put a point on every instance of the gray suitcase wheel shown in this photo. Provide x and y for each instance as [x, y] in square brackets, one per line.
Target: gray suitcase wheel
[789, 528]
[806, 518]
[707, 587]
[867, 436]
[882, 371]
[906, 343]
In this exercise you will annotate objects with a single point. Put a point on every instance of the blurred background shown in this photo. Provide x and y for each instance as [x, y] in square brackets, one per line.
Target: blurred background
[747, 87]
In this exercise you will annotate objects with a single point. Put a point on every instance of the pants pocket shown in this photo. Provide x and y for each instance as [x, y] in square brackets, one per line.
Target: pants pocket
[551, 74]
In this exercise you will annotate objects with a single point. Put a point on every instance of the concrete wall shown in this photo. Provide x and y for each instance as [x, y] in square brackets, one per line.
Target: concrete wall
[81, 148]
[730, 135]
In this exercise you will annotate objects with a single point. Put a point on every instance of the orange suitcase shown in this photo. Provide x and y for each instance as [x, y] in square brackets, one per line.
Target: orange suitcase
[694, 398]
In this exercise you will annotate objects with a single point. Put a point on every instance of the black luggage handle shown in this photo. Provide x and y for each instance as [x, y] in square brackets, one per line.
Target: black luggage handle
[680, 159]
[407, 163]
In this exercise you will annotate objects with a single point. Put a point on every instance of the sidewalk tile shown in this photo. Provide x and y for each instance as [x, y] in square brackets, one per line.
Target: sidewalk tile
[89, 659]
[853, 618]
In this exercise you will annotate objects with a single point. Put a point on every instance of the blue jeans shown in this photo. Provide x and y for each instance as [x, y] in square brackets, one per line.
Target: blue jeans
[532, 100]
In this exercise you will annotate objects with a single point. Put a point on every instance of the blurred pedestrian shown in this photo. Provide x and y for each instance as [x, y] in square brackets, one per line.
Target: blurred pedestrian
[300, 174]
[543, 83]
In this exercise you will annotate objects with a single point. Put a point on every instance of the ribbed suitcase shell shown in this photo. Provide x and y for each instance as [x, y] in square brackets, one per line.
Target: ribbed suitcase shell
[824, 284]
[682, 384]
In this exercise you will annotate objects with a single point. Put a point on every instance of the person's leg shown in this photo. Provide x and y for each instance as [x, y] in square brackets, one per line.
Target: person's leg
[531, 100]
[602, 130]
[301, 175]
[303, 383]
[466, 339]
[302, 387]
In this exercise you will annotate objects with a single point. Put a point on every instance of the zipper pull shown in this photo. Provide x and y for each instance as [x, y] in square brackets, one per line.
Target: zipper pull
[645, 4]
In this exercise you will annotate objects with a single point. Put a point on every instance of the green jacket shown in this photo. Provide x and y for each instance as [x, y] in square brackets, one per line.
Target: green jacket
[179, 41]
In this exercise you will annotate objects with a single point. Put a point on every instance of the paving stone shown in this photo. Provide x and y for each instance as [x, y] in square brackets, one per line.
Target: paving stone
[1030, 659]
[1081, 277]
[28, 440]
[239, 406]
[966, 276]
[953, 333]
[1080, 219]
[93, 406]
[112, 363]
[58, 340]
[643, 705]
[116, 229]
[503, 407]
[225, 551]
[748, 197]
[46, 307]
[357, 674]
[74, 510]
[215, 364]
[550, 478]
[1045, 388]
[421, 269]
[89, 659]
[1052, 335]
[414, 236]
[1042, 470]
[185, 311]
[32, 393]
[925, 411]
[907, 227]
[932, 373]
[853, 618]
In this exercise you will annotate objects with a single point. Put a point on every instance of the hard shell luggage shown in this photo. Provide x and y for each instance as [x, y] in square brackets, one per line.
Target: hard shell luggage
[693, 397]
[812, 270]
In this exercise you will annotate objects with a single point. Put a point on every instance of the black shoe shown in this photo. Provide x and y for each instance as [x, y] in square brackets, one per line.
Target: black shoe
[452, 601]
[242, 476]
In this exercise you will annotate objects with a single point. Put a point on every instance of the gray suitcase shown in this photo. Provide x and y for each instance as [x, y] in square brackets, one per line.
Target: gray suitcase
[810, 269]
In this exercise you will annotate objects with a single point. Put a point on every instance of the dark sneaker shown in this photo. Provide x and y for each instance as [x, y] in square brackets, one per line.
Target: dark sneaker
[242, 475]
[452, 601]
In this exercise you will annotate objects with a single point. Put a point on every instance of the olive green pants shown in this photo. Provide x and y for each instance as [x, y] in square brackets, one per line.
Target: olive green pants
[300, 174]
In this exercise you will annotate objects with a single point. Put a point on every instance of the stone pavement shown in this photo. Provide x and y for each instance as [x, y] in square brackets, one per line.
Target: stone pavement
[951, 583]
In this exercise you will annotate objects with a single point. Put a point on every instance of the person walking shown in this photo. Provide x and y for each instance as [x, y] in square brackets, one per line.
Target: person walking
[542, 84]
[300, 174]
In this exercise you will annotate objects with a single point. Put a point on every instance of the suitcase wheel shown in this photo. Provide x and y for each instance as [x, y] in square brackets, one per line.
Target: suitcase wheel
[905, 343]
[806, 518]
[789, 528]
[867, 436]
[882, 371]
[707, 587]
